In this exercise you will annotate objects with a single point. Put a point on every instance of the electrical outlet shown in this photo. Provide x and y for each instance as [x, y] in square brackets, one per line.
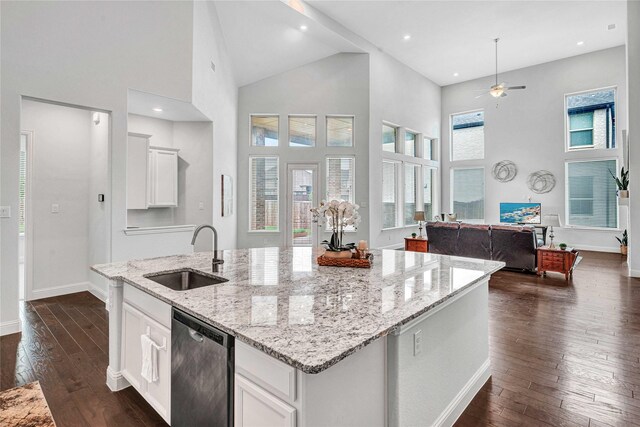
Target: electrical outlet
[417, 342]
[5, 211]
[55, 208]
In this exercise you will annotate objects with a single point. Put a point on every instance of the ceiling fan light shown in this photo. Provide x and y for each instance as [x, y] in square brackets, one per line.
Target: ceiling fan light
[496, 91]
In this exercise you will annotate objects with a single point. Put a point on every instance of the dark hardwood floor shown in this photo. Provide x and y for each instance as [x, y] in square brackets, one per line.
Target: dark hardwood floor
[64, 345]
[562, 354]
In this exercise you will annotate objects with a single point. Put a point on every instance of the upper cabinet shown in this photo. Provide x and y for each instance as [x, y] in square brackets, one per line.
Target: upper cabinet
[163, 177]
[152, 174]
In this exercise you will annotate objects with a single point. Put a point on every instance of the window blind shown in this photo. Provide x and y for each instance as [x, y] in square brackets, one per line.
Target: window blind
[389, 195]
[264, 206]
[591, 194]
[468, 193]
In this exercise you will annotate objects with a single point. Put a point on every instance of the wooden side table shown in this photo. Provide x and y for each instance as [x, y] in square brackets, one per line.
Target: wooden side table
[556, 260]
[416, 245]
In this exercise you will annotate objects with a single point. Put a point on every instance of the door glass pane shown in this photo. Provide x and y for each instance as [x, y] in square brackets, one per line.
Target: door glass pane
[302, 202]
[264, 193]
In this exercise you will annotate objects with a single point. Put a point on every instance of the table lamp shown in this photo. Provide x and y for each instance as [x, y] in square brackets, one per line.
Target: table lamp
[419, 216]
[551, 220]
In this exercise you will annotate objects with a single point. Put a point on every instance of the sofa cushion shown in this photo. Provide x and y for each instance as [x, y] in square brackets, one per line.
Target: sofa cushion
[514, 245]
[442, 237]
[474, 241]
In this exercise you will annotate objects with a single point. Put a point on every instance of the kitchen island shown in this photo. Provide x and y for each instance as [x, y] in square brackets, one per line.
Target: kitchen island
[402, 343]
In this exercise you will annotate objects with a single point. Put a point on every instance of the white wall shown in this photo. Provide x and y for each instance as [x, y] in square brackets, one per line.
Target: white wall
[527, 127]
[338, 84]
[89, 54]
[401, 96]
[633, 74]
[60, 175]
[216, 95]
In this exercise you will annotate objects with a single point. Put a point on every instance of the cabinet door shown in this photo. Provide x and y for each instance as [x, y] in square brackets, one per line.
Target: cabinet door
[255, 407]
[165, 178]
[132, 328]
[158, 393]
[137, 177]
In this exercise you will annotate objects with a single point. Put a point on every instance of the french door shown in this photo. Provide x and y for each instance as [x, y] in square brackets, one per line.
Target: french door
[302, 195]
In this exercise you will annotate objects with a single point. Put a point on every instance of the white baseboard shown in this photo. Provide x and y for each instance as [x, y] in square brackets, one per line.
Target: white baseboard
[610, 249]
[634, 273]
[59, 290]
[10, 327]
[457, 406]
[115, 380]
[97, 292]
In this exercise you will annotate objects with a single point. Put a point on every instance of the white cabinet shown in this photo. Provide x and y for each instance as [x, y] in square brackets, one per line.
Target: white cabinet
[255, 407]
[134, 325]
[152, 174]
[137, 170]
[163, 177]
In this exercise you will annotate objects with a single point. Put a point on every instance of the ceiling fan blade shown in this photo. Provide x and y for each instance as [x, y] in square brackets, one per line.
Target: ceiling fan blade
[503, 94]
[516, 87]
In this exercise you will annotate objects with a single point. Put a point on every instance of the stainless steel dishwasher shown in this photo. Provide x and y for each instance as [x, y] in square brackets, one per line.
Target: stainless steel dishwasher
[201, 373]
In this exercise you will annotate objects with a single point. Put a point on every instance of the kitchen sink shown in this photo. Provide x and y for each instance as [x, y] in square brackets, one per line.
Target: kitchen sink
[183, 280]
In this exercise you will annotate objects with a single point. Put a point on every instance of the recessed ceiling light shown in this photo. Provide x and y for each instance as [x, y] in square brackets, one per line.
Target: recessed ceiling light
[455, 74]
[580, 43]
[157, 109]
[303, 27]
[407, 36]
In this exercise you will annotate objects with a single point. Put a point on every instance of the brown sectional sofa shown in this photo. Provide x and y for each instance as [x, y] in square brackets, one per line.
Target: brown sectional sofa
[514, 245]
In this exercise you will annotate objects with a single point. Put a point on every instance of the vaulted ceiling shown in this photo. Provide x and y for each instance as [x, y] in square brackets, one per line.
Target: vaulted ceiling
[446, 41]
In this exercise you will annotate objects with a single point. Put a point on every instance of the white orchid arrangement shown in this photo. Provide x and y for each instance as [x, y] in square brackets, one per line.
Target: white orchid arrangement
[338, 215]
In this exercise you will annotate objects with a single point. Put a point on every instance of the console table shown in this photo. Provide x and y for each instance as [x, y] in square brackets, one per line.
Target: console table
[556, 260]
[416, 244]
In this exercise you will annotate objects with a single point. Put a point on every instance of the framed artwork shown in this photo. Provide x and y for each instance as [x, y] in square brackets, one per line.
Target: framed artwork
[227, 195]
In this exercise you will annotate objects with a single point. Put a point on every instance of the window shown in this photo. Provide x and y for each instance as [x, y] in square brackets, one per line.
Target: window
[410, 139]
[264, 194]
[339, 131]
[302, 131]
[389, 136]
[591, 194]
[410, 192]
[264, 131]
[389, 194]
[427, 192]
[591, 120]
[468, 193]
[467, 136]
[340, 178]
[22, 183]
[427, 149]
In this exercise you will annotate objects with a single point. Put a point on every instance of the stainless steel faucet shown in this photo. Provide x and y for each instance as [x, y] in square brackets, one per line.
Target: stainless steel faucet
[215, 261]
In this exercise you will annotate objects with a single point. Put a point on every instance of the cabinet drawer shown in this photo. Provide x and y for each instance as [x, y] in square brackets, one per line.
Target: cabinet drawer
[552, 256]
[271, 374]
[151, 306]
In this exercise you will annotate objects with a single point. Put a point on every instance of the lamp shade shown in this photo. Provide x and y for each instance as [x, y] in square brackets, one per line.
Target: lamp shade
[419, 216]
[551, 220]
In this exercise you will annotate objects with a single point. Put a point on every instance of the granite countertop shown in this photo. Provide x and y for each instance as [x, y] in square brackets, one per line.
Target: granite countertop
[310, 317]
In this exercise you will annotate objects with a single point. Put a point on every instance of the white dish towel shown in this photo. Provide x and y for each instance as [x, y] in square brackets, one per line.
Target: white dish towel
[149, 359]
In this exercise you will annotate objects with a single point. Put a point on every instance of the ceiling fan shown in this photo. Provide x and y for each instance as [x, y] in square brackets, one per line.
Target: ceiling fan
[499, 90]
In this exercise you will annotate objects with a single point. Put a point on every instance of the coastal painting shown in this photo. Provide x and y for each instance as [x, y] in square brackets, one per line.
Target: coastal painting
[520, 213]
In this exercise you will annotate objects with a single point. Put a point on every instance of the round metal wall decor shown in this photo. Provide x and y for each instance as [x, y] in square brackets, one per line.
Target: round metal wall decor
[541, 181]
[504, 171]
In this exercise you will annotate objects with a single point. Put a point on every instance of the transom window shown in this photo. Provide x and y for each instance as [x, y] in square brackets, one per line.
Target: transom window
[389, 137]
[410, 143]
[264, 131]
[591, 120]
[339, 131]
[302, 131]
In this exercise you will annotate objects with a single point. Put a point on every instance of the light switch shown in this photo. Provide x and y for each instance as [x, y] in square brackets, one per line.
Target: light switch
[5, 211]
[417, 343]
[55, 208]
[201, 205]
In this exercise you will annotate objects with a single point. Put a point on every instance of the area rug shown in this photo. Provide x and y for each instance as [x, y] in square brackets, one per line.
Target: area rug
[25, 406]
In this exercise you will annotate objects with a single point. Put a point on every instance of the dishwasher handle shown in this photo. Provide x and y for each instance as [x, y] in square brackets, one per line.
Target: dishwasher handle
[196, 336]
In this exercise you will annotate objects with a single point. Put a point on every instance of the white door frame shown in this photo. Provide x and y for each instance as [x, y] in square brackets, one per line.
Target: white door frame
[315, 167]
[28, 214]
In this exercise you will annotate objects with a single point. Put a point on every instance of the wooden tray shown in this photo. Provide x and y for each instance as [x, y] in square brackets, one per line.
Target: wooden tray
[346, 262]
